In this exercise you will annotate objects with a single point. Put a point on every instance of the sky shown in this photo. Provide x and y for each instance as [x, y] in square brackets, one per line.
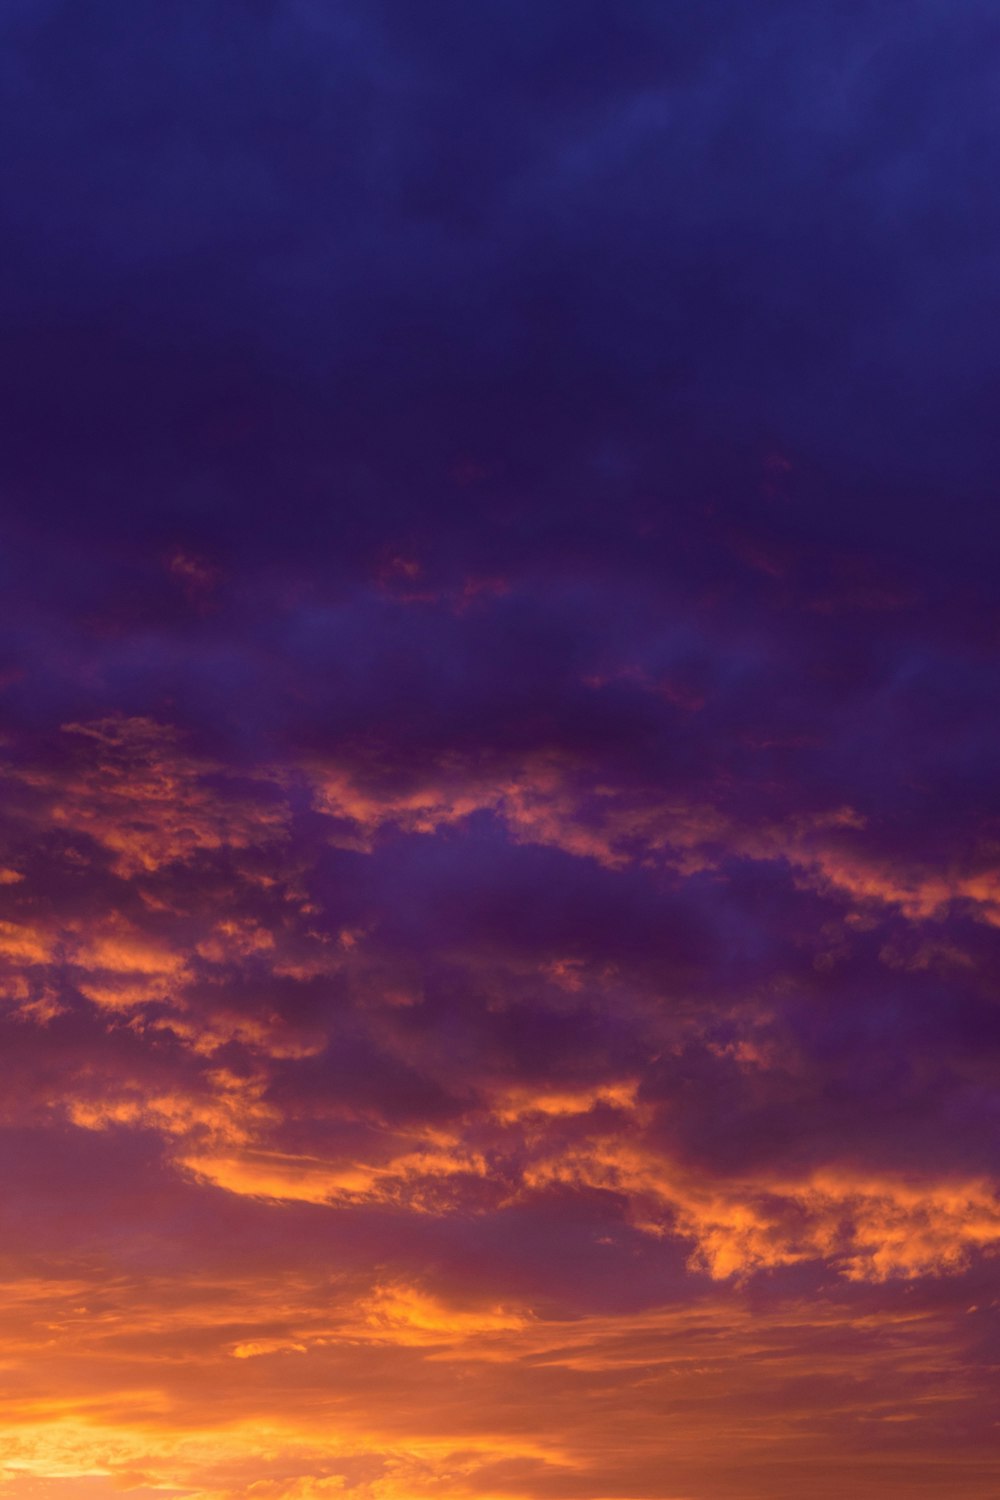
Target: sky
[499, 707]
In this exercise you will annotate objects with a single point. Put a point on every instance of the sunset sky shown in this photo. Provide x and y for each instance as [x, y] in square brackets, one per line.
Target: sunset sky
[500, 716]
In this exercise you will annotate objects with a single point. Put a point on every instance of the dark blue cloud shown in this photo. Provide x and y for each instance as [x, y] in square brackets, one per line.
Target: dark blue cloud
[273, 271]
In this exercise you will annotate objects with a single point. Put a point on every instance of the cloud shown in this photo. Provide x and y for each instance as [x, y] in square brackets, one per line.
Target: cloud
[143, 800]
[499, 894]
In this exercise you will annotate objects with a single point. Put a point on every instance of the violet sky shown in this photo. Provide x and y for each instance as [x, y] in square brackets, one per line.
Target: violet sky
[500, 845]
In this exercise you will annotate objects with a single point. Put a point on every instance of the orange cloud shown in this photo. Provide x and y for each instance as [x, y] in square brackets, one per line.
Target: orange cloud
[553, 801]
[25, 943]
[518, 1104]
[408, 1314]
[230, 1110]
[132, 788]
[390, 1392]
[413, 1177]
[873, 1228]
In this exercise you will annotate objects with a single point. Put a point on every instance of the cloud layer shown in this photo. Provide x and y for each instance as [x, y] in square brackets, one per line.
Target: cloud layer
[499, 854]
